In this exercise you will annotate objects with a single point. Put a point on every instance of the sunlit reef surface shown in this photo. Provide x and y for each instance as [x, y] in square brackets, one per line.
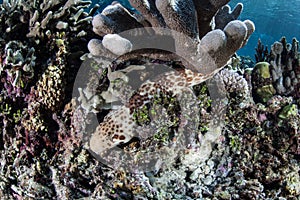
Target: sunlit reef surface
[48, 111]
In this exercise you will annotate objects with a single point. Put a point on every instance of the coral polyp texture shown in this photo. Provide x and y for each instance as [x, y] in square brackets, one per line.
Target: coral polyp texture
[144, 102]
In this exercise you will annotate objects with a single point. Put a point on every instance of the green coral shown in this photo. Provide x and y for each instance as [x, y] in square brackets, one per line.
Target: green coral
[263, 69]
[263, 88]
[292, 181]
[5, 109]
[235, 143]
[265, 92]
[162, 111]
[288, 111]
[141, 115]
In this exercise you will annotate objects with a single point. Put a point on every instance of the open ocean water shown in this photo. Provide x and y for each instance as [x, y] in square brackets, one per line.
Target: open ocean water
[273, 19]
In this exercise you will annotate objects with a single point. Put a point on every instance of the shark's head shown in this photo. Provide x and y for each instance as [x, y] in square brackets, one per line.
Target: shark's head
[117, 128]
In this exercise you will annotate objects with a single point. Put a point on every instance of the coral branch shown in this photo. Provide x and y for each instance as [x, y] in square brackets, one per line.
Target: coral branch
[225, 15]
[205, 12]
[114, 19]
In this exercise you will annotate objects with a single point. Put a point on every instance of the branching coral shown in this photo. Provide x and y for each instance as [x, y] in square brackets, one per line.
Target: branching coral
[17, 66]
[225, 15]
[235, 85]
[175, 16]
[285, 66]
[40, 42]
[41, 16]
[39, 25]
[262, 52]
[64, 19]
[279, 74]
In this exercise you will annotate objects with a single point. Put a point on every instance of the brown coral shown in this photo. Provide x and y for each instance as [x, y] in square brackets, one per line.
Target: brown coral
[178, 21]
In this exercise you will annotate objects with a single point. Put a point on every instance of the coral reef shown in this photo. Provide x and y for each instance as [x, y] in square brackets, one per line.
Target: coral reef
[41, 42]
[283, 69]
[235, 136]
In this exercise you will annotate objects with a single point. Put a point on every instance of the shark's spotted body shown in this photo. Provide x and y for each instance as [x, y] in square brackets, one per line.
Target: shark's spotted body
[119, 125]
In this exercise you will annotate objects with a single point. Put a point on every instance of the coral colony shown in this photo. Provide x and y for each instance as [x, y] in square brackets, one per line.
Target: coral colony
[144, 103]
[118, 127]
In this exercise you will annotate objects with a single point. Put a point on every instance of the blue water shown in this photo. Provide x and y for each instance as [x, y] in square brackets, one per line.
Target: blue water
[273, 19]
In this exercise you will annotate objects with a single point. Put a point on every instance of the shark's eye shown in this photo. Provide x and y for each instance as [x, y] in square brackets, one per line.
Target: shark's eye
[122, 137]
